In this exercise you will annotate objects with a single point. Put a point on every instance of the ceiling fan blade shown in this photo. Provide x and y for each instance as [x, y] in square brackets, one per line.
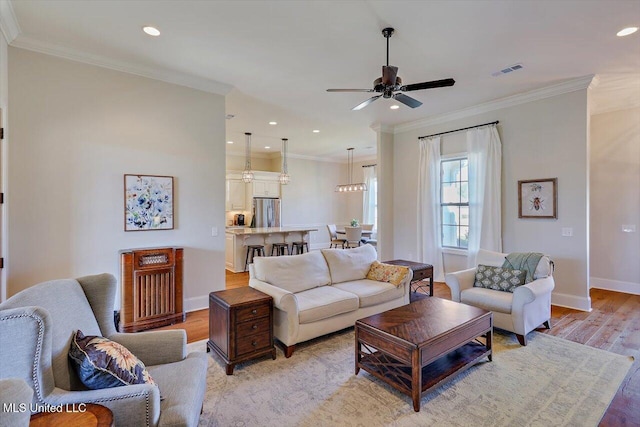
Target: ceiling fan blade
[389, 74]
[407, 100]
[349, 90]
[428, 85]
[367, 102]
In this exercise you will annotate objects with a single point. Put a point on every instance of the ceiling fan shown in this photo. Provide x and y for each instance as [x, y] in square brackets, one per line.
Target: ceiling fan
[390, 84]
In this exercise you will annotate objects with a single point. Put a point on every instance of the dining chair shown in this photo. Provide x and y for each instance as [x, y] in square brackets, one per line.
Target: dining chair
[353, 236]
[335, 241]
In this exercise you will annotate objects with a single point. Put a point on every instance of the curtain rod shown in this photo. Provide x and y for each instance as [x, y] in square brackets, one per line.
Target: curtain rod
[369, 166]
[458, 130]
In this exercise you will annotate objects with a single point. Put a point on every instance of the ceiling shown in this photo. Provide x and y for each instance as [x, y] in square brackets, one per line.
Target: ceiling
[275, 59]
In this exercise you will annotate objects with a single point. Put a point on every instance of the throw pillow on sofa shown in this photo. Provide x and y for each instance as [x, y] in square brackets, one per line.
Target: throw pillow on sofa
[393, 274]
[499, 278]
[102, 363]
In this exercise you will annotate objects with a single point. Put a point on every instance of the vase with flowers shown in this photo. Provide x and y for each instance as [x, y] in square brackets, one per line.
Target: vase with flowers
[354, 223]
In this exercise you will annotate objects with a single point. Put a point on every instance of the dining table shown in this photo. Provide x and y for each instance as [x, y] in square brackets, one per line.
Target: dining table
[364, 232]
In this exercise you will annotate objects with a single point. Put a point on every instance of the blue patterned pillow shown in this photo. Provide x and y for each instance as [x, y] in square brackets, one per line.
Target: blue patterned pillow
[102, 363]
[499, 278]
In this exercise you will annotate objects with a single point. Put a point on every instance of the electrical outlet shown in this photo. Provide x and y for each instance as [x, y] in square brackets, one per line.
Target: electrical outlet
[214, 231]
[567, 231]
[629, 228]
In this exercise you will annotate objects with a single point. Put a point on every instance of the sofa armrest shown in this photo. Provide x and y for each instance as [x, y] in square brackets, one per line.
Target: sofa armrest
[532, 291]
[458, 281]
[282, 299]
[137, 405]
[155, 348]
[17, 392]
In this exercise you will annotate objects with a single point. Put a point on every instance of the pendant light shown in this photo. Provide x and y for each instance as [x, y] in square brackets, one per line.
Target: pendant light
[284, 177]
[247, 174]
[350, 187]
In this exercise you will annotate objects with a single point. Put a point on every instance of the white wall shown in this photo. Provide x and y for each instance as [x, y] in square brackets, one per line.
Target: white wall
[235, 162]
[76, 130]
[4, 95]
[615, 200]
[540, 139]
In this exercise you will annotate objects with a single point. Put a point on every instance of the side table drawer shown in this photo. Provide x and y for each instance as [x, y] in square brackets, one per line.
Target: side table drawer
[422, 274]
[251, 313]
[253, 343]
[258, 326]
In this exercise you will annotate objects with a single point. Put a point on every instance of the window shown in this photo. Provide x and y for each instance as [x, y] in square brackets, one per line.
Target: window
[454, 202]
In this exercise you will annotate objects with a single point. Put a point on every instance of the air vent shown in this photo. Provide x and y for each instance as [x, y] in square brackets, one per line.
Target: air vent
[508, 70]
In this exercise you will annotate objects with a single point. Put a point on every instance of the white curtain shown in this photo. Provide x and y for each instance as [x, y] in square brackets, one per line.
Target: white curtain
[369, 198]
[485, 221]
[429, 236]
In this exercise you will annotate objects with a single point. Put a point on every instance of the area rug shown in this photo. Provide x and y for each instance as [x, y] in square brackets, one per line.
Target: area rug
[550, 382]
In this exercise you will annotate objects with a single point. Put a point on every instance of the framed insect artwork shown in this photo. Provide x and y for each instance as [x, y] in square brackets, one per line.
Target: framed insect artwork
[538, 198]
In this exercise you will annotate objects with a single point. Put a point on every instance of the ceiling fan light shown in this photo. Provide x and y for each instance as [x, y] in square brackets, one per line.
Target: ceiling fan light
[627, 31]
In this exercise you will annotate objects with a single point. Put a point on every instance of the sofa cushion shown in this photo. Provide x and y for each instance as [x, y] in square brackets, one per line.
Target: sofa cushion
[349, 264]
[393, 274]
[294, 273]
[102, 363]
[371, 292]
[488, 299]
[324, 302]
[499, 278]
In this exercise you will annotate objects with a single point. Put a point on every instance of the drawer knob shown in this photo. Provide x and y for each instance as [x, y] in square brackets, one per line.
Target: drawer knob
[254, 311]
[254, 343]
[254, 327]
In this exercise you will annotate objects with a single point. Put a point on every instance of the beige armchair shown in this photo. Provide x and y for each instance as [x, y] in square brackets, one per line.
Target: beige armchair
[528, 307]
[37, 324]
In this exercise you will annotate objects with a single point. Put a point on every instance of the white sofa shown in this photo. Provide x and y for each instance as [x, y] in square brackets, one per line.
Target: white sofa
[528, 307]
[320, 292]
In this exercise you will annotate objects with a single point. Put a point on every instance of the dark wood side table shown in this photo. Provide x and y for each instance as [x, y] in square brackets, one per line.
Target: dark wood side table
[77, 415]
[420, 272]
[240, 325]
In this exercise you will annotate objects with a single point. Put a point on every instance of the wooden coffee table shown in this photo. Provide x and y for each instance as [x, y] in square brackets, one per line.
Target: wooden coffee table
[419, 346]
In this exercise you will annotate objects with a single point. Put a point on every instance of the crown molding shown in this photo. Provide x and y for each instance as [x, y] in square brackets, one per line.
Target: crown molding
[509, 101]
[8, 22]
[379, 127]
[164, 75]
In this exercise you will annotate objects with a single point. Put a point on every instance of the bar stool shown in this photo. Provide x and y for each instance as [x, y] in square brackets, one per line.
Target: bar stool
[253, 249]
[280, 247]
[298, 247]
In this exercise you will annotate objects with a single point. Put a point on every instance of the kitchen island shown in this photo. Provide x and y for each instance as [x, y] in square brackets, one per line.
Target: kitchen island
[237, 239]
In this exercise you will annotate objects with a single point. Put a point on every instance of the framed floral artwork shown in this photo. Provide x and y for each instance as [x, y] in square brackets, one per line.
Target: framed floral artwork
[538, 198]
[148, 202]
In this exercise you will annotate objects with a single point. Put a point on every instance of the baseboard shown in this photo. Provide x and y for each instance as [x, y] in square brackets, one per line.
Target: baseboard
[196, 303]
[615, 285]
[571, 301]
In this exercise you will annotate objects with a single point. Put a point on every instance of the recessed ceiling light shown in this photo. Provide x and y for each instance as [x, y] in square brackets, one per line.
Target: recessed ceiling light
[394, 107]
[316, 131]
[273, 123]
[627, 31]
[229, 142]
[152, 31]
[266, 147]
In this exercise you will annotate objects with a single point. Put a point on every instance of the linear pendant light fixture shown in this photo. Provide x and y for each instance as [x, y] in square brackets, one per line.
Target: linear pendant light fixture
[284, 177]
[350, 187]
[247, 174]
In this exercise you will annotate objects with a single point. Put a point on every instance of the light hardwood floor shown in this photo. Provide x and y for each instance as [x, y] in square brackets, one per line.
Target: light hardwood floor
[612, 325]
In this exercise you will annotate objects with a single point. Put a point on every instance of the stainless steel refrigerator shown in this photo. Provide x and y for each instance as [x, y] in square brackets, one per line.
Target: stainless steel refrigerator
[266, 212]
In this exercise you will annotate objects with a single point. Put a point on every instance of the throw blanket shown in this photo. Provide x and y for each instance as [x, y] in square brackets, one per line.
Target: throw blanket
[527, 261]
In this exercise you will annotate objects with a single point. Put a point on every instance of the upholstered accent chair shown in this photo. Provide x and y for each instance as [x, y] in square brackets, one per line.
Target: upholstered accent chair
[37, 324]
[333, 234]
[15, 392]
[520, 311]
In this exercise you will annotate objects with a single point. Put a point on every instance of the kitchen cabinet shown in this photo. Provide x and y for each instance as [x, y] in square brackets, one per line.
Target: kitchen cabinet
[235, 195]
[229, 251]
[263, 188]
